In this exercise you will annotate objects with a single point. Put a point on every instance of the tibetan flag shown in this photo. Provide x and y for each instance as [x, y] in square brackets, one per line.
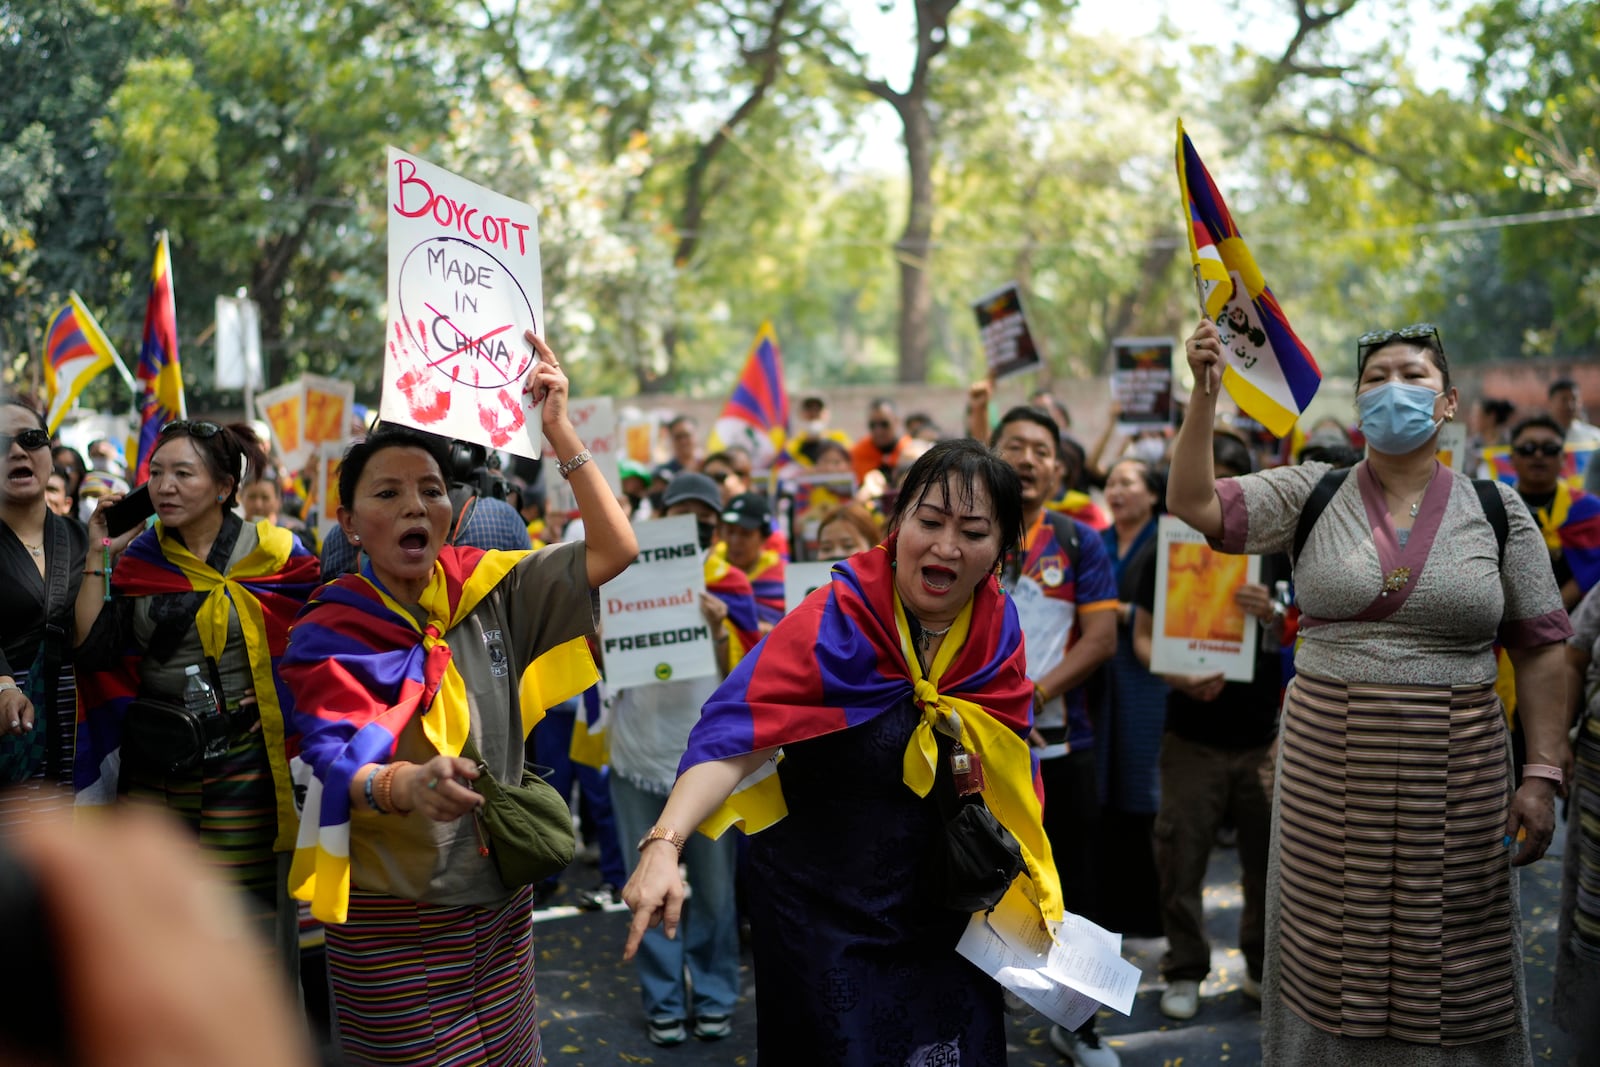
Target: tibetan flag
[160, 378]
[756, 416]
[260, 592]
[844, 657]
[1267, 370]
[75, 350]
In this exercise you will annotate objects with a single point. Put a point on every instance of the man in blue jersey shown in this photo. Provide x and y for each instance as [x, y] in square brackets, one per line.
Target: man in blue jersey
[1066, 598]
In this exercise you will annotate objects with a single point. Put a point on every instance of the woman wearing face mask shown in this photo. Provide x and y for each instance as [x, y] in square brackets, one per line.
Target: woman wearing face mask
[1392, 922]
[41, 564]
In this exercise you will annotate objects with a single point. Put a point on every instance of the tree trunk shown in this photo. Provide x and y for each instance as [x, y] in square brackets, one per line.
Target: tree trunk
[916, 286]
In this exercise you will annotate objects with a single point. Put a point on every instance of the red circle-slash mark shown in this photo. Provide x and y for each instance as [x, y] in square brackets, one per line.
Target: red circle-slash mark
[511, 286]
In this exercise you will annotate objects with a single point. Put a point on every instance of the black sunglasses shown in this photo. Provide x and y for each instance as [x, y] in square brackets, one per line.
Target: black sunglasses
[879, 424]
[190, 428]
[1538, 448]
[30, 440]
[1374, 339]
[718, 476]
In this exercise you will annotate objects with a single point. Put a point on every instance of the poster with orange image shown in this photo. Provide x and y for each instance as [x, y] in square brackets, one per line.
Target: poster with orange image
[1199, 627]
[328, 405]
[329, 456]
[283, 409]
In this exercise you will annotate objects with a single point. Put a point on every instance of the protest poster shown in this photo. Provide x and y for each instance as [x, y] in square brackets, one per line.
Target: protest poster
[1141, 384]
[1199, 628]
[1008, 345]
[810, 496]
[800, 580]
[283, 409]
[1453, 450]
[329, 456]
[464, 285]
[639, 432]
[329, 402]
[651, 629]
[596, 423]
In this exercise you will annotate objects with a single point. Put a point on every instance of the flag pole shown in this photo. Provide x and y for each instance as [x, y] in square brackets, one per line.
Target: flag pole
[1200, 296]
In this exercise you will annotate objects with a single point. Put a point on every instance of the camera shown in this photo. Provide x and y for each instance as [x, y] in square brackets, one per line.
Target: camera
[472, 467]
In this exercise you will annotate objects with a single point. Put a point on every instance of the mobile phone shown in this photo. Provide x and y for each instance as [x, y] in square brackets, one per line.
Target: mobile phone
[132, 510]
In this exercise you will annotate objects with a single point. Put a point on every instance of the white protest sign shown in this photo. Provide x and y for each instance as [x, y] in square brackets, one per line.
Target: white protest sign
[463, 286]
[596, 423]
[1199, 628]
[1453, 450]
[651, 629]
[800, 580]
[283, 409]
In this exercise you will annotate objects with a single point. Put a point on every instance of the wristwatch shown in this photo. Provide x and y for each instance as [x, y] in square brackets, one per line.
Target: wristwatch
[663, 833]
[566, 468]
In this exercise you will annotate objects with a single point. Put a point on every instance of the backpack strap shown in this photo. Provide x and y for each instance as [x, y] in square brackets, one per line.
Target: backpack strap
[1494, 509]
[1315, 504]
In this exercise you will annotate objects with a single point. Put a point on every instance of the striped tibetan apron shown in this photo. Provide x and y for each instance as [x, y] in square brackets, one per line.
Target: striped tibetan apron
[1396, 915]
[419, 984]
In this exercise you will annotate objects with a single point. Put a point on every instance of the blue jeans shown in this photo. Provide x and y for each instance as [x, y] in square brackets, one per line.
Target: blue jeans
[552, 747]
[708, 934]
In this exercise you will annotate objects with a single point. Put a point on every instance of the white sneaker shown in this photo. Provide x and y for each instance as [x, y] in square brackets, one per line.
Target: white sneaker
[1181, 1000]
[1083, 1050]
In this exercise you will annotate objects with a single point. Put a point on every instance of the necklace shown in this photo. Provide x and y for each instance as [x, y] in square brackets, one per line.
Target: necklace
[37, 550]
[928, 635]
[1417, 503]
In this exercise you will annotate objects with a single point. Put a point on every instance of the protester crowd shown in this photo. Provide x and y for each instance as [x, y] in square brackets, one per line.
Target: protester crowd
[1425, 642]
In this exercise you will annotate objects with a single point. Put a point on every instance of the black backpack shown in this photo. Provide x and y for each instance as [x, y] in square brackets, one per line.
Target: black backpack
[1494, 509]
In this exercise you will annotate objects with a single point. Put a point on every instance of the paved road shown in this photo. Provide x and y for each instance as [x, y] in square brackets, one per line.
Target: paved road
[590, 1014]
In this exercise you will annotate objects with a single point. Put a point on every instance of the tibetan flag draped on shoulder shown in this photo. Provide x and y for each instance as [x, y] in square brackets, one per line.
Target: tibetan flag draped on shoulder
[842, 658]
[362, 667]
[1571, 526]
[756, 416]
[1267, 370]
[75, 350]
[160, 378]
[265, 589]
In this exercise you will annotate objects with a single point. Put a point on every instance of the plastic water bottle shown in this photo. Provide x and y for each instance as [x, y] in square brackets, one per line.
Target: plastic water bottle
[201, 700]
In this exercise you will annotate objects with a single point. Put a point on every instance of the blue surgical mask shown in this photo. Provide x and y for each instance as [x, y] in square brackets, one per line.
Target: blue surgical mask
[1397, 418]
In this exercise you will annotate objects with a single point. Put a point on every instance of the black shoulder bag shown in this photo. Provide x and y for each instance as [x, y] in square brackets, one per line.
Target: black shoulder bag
[981, 858]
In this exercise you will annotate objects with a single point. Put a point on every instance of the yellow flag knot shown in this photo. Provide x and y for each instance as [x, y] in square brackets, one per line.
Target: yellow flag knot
[922, 754]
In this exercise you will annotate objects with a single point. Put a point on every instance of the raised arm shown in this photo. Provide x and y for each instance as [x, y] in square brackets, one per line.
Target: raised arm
[607, 536]
[1192, 478]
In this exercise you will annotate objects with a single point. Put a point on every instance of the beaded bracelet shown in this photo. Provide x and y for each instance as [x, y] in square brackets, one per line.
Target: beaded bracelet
[383, 788]
[372, 801]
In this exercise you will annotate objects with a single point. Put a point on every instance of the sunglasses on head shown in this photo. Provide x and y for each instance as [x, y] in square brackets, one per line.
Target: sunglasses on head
[1538, 448]
[190, 428]
[30, 440]
[1375, 339]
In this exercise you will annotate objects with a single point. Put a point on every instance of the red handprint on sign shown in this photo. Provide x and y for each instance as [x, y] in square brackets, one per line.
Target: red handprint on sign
[428, 402]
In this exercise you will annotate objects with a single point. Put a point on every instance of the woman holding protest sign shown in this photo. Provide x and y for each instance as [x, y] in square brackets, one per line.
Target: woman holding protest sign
[412, 675]
[913, 701]
[1392, 923]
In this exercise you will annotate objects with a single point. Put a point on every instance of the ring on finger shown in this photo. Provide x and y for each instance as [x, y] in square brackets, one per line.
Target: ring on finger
[433, 783]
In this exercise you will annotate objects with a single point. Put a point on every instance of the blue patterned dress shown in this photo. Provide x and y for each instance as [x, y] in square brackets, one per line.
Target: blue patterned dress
[855, 964]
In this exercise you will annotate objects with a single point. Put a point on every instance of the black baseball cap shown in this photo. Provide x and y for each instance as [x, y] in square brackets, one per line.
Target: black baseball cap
[750, 510]
[691, 485]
